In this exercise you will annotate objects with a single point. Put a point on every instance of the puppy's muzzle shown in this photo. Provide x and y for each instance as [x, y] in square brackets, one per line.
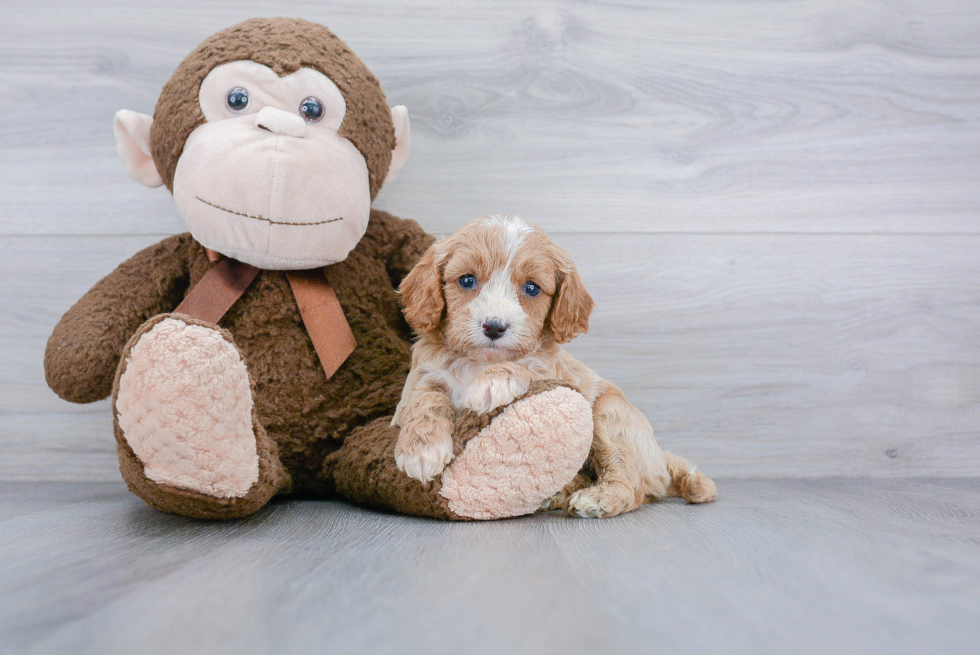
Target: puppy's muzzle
[494, 328]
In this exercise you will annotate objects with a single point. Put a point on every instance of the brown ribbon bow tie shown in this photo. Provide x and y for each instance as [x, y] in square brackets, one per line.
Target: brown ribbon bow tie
[224, 284]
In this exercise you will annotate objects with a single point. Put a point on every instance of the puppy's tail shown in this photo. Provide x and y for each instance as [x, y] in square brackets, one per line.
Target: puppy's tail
[688, 482]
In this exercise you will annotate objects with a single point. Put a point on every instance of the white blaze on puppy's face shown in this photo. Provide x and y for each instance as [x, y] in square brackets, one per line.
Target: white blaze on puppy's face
[498, 301]
[492, 315]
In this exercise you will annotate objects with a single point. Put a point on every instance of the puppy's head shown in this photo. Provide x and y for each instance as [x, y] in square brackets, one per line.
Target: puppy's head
[496, 290]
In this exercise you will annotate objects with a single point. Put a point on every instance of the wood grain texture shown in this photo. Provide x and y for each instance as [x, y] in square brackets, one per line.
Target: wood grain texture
[752, 355]
[774, 202]
[786, 116]
[771, 567]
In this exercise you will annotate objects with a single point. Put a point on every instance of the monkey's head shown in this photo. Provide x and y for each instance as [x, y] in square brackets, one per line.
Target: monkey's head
[274, 138]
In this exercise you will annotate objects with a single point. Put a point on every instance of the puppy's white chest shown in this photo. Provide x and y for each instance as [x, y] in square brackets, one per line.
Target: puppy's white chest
[465, 380]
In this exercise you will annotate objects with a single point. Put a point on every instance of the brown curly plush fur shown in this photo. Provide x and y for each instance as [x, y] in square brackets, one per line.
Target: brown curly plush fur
[300, 416]
[285, 45]
[306, 415]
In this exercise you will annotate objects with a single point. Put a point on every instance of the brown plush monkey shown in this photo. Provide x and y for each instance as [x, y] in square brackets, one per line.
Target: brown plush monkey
[264, 351]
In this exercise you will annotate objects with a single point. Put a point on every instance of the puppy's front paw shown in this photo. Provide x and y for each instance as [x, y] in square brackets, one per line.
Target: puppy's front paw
[492, 391]
[424, 460]
[601, 501]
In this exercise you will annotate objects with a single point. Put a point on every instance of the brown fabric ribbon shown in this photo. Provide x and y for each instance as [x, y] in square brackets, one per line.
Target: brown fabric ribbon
[224, 284]
[218, 290]
[324, 318]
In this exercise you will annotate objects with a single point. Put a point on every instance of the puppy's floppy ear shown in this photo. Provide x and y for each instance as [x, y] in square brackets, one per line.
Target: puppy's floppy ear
[572, 305]
[421, 293]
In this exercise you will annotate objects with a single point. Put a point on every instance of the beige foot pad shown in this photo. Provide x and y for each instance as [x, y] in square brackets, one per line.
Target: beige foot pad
[185, 408]
[526, 455]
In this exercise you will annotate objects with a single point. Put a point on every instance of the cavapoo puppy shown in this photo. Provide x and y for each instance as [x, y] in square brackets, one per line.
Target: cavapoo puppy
[491, 305]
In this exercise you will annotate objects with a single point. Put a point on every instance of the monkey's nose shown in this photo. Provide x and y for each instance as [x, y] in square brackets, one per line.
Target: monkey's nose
[494, 328]
[281, 122]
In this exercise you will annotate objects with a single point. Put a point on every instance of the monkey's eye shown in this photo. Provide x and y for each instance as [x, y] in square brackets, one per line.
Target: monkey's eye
[531, 289]
[311, 110]
[467, 281]
[237, 99]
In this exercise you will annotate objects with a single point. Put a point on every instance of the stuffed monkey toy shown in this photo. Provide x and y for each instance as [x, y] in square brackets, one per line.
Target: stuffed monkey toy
[264, 351]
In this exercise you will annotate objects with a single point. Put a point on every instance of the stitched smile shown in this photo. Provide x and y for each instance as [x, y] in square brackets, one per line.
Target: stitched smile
[263, 218]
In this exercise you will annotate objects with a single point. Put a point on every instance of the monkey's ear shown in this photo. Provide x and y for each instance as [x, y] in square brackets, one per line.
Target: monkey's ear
[399, 116]
[132, 132]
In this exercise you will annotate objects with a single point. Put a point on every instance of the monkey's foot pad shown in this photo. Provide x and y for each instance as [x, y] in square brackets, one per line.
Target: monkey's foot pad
[527, 454]
[185, 408]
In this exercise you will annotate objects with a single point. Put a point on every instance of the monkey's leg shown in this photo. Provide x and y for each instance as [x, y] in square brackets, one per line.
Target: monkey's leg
[507, 462]
[188, 438]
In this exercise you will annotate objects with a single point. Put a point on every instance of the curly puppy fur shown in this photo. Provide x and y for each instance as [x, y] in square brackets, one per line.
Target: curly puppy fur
[492, 305]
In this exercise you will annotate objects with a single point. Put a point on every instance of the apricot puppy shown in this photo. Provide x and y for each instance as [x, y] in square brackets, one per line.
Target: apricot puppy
[492, 305]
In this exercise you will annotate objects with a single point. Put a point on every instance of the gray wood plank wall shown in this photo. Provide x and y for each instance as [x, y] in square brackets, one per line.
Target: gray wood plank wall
[776, 203]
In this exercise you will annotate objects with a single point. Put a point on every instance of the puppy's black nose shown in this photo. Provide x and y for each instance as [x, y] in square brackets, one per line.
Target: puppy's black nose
[494, 328]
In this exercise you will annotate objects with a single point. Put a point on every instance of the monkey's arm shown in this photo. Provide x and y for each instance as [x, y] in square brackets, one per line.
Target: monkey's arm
[84, 349]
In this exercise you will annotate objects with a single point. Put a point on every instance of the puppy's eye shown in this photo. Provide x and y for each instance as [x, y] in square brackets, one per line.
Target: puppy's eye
[467, 281]
[311, 110]
[531, 289]
[237, 99]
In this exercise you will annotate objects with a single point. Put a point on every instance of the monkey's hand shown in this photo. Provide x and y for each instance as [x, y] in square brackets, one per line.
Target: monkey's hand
[497, 385]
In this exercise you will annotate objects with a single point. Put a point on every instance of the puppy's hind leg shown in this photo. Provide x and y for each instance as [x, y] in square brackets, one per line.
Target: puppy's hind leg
[629, 464]
[688, 482]
[560, 499]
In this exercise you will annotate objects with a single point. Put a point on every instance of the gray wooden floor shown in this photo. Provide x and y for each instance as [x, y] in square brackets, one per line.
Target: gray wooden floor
[834, 565]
